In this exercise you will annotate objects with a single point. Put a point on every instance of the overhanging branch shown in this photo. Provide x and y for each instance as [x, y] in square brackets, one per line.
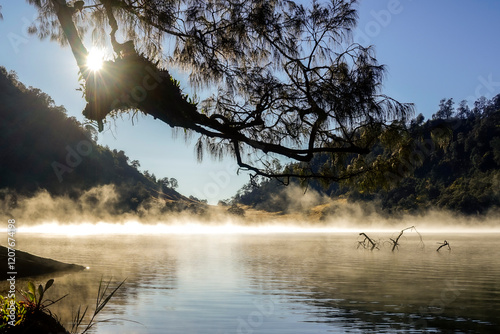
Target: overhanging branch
[64, 15]
[315, 110]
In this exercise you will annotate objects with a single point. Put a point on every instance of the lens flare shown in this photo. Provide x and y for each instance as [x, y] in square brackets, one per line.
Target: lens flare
[95, 59]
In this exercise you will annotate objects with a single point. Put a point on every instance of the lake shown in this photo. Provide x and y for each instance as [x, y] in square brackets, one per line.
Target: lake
[301, 282]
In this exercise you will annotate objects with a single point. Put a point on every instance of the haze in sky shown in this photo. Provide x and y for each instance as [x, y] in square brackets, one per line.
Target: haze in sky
[432, 50]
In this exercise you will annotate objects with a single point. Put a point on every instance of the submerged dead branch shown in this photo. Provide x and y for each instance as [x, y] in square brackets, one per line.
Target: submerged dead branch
[367, 242]
[445, 243]
[395, 242]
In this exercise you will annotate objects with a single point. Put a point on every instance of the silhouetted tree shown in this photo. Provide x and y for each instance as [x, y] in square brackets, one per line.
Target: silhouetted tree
[135, 164]
[289, 81]
[173, 183]
[419, 120]
[446, 109]
[461, 176]
[463, 110]
[164, 182]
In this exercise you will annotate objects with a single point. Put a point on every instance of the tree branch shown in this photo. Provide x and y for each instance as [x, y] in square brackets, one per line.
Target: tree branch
[64, 15]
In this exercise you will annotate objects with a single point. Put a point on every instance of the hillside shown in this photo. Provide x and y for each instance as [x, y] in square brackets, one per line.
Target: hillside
[458, 171]
[45, 151]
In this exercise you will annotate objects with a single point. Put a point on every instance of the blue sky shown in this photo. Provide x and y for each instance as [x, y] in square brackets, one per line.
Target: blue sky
[432, 50]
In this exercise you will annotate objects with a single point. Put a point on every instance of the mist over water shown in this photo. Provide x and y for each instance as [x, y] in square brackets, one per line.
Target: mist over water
[291, 283]
[296, 271]
[94, 213]
[185, 227]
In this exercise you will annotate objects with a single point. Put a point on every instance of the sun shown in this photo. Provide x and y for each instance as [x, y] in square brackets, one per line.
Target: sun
[95, 59]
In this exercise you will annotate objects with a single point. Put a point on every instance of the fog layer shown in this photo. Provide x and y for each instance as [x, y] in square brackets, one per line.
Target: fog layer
[96, 211]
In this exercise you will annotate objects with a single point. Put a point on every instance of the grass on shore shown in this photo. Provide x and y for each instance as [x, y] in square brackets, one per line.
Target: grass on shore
[32, 314]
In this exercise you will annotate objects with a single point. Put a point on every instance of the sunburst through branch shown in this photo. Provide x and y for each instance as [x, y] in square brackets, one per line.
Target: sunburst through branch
[95, 59]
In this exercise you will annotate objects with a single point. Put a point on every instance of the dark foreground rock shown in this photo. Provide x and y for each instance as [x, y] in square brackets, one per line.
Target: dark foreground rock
[28, 265]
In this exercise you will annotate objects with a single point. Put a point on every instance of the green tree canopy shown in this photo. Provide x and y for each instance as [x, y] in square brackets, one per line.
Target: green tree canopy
[462, 176]
[286, 81]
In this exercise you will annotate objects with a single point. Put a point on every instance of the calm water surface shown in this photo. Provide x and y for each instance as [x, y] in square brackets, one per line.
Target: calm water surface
[280, 283]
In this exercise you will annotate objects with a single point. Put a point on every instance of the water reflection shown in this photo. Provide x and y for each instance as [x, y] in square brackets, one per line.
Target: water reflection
[112, 259]
[382, 291]
[281, 283]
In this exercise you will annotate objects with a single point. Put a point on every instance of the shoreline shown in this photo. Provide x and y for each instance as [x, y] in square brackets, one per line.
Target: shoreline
[29, 265]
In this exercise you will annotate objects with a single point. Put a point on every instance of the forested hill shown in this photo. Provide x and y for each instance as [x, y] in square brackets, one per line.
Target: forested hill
[44, 149]
[460, 175]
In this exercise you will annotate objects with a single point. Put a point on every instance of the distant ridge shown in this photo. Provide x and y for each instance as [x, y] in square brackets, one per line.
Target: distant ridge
[42, 149]
[458, 171]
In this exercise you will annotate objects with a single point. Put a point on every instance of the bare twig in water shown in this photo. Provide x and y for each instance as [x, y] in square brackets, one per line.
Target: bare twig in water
[445, 243]
[395, 243]
[367, 241]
